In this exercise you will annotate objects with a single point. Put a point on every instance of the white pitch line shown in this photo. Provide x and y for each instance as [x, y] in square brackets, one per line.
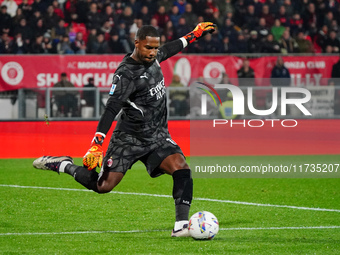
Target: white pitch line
[82, 232]
[168, 196]
[158, 230]
[269, 205]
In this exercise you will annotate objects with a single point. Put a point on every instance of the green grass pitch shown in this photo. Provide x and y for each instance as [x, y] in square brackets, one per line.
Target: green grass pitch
[42, 212]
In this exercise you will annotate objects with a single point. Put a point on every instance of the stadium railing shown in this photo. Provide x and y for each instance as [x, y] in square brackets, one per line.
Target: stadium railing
[182, 102]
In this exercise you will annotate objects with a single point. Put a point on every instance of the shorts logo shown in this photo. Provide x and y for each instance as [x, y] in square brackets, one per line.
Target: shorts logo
[12, 73]
[109, 162]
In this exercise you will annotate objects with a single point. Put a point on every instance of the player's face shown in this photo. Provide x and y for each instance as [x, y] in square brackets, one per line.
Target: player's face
[146, 50]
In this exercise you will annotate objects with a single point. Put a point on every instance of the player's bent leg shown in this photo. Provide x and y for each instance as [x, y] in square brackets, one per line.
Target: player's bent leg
[87, 178]
[108, 180]
[90, 179]
[100, 183]
[176, 166]
[65, 164]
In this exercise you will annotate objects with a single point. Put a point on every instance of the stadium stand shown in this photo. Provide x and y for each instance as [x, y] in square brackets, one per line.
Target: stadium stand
[309, 25]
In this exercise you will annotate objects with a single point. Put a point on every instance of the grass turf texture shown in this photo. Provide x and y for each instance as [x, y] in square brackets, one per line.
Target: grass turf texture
[80, 214]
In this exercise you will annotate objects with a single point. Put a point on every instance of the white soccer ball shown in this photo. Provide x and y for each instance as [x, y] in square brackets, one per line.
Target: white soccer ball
[203, 225]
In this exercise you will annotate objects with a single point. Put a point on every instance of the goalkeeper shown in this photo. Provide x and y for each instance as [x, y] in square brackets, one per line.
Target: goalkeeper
[141, 132]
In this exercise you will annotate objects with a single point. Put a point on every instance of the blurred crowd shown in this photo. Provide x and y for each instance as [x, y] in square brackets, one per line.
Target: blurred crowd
[109, 26]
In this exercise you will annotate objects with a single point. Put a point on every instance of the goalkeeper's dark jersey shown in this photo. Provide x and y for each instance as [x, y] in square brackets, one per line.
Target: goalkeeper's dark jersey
[138, 91]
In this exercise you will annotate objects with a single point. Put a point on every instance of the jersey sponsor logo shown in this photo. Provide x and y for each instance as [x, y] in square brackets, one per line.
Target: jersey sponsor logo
[159, 90]
[112, 90]
[171, 141]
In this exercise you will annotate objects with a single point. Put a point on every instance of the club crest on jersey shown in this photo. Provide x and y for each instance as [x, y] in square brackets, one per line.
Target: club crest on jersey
[158, 90]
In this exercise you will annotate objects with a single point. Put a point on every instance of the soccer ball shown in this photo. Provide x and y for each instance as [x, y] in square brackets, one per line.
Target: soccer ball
[203, 225]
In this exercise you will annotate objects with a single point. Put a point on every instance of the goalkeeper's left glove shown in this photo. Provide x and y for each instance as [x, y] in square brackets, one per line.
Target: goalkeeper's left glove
[200, 30]
[94, 156]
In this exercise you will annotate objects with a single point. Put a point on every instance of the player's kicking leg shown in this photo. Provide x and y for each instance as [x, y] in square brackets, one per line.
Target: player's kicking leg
[176, 166]
[90, 179]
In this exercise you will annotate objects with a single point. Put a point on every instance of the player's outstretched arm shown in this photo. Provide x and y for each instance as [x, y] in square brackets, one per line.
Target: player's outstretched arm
[94, 156]
[172, 48]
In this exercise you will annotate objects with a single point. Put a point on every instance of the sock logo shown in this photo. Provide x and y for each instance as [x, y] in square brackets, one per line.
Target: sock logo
[185, 202]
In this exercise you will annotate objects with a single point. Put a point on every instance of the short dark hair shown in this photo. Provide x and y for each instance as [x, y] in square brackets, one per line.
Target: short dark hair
[63, 74]
[145, 31]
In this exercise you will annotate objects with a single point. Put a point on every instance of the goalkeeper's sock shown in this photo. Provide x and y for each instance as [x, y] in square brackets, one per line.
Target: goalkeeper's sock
[182, 212]
[182, 193]
[62, 166]
[69, 169]
[87, 178]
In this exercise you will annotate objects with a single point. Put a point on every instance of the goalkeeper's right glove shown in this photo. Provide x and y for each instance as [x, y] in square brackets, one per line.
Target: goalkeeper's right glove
[200, 30]
[94, 156]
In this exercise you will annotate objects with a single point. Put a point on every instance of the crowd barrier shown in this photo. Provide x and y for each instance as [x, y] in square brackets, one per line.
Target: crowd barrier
[183, 102]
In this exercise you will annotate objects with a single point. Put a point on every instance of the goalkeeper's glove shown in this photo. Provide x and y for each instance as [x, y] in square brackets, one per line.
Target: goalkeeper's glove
[94, 156]
[200, 30]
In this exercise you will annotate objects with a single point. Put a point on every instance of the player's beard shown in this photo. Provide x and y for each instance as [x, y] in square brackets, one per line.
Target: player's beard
[148, 61]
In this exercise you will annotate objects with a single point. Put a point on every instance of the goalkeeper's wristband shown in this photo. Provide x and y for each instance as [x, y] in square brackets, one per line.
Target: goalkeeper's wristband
[184, 42]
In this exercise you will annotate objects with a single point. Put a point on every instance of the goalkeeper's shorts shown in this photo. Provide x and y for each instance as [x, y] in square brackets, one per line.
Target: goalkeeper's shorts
[125, 149]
